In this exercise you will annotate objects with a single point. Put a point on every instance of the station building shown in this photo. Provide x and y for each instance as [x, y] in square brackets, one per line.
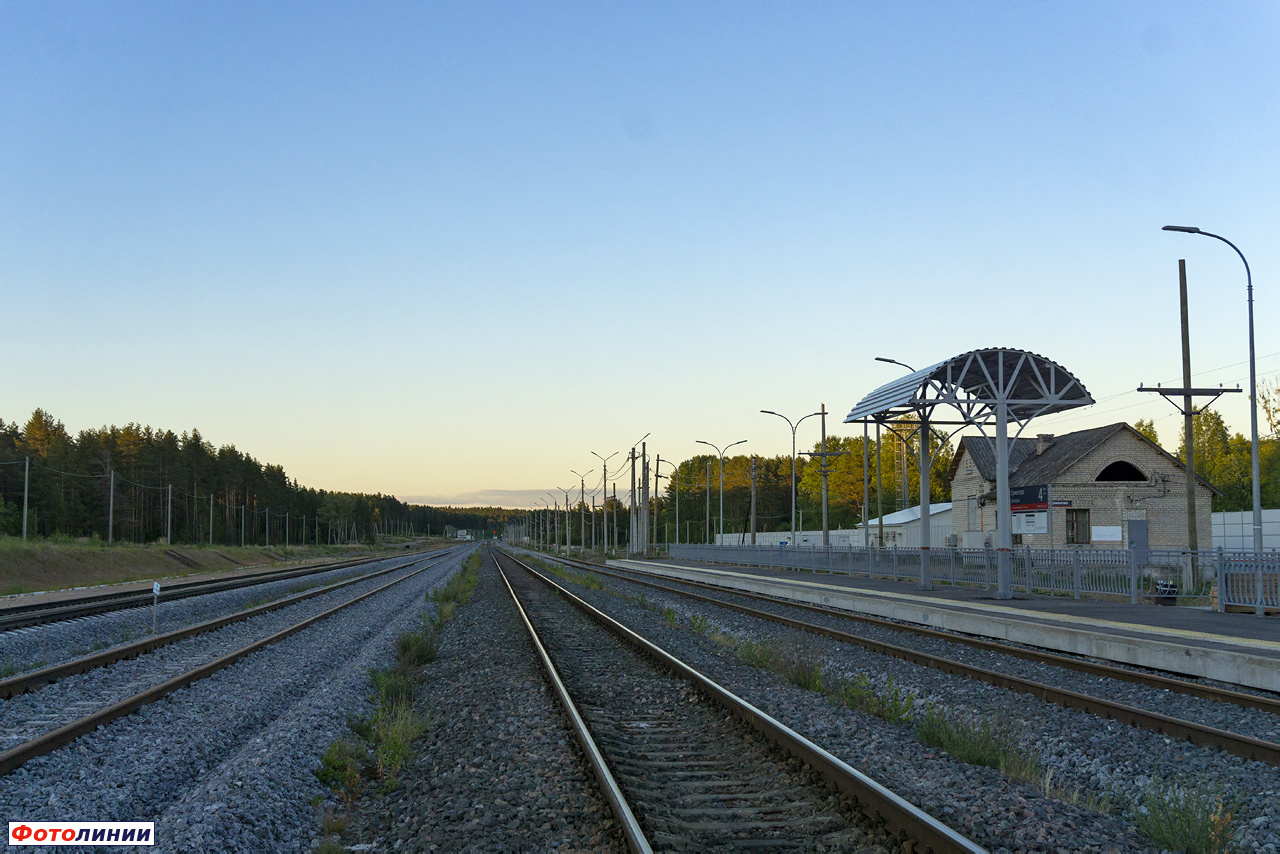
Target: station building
[1105, 487]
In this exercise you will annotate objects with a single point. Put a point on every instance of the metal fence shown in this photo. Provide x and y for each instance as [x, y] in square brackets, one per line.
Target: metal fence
[1167, 576]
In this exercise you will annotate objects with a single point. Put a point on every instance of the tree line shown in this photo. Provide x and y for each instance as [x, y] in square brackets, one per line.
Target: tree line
[138, 484]
[1225, 458]
[896, 456]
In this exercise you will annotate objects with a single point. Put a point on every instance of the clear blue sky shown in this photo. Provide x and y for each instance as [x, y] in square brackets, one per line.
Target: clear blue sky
[447, 250]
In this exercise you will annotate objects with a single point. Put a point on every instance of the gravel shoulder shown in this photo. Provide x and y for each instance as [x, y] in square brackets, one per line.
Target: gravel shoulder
[226, 764]
[498, 769]
[1095, 755]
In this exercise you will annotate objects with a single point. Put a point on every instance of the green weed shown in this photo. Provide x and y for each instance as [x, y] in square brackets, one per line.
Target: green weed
[392, 686]
[699, 624]
[757, 654]
[395, 729]
[1184, 817]
[890, 703]
[984, 741]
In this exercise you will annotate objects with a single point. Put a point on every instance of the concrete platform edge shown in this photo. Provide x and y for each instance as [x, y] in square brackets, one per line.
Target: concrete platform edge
[1239, 668]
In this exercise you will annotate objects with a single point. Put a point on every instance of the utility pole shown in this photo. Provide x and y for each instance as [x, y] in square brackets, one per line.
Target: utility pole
[111, 508]
[825, 469]
[168, 527]
[631, 535]
[210, 518]
[242, 506]
[753, 500]
[26, 485]
[657, 496]
[1188, 410]
[644, 497]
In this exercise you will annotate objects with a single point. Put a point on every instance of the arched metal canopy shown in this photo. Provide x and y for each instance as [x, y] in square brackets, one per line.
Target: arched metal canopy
[975, 384]
[992, 386]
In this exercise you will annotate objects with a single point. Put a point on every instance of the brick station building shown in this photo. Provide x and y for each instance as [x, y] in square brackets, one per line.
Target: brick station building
[1099, 481]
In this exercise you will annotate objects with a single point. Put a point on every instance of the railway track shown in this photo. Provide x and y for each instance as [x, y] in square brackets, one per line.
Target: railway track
[86, 710]
[1238, 744]
[679, 772]
[23, 615]
[35, 679]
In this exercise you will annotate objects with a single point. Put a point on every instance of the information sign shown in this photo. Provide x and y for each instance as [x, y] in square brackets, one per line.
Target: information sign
[1024, 499]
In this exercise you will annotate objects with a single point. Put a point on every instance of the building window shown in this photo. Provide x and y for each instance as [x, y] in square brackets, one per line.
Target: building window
[1121, 472]
[1078, 527]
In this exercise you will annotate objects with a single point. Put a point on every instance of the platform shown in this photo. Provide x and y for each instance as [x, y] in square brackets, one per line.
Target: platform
[1242, 649]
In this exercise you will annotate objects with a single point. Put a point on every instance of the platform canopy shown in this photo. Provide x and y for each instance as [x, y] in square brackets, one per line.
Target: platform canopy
[983, 387]
[975, 384]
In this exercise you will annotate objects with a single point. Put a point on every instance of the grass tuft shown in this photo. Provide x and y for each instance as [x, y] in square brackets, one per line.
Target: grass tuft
[757, 654]
[982, 741]
[395, 728]
[890, 703]
[1185, 817]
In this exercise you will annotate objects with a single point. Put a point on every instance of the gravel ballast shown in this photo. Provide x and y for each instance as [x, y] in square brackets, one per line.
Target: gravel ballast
[498, 769]
[226, 764]
[1083, 752]
[40, 646]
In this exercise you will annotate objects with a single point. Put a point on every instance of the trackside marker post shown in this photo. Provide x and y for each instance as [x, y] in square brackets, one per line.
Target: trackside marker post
[155, 599]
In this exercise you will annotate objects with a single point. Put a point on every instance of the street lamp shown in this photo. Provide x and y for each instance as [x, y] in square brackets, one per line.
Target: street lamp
[793, 427]
[555, 519]
[1253, 385]
[546, 528]
[675, 480]
[605, 518]
[582, 507]
[721, 453]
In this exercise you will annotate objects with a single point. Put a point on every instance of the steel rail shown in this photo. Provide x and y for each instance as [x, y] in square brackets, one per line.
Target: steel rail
[635, 837]
[50, 741]
[873, 799]
[1093, 668]
[1244, 746]
[1150, 680]
[23, 683]
[42, 613]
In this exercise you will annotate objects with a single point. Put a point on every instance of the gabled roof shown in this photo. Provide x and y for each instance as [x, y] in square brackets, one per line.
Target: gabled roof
[1026, 468]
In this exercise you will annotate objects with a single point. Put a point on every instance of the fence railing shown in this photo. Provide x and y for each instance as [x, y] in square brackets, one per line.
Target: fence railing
[1167, 576]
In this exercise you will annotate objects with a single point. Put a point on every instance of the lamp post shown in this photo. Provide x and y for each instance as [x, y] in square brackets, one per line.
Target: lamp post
[721, 453]
[793, 427]
[605, 462]
[582, 507]
[675, 480]
[546, 527]
[555, 521]
[926, 503]
[1253, 385]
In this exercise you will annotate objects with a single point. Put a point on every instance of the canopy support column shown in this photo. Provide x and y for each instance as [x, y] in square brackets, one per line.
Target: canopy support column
[1004, 516]
[926, 578]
